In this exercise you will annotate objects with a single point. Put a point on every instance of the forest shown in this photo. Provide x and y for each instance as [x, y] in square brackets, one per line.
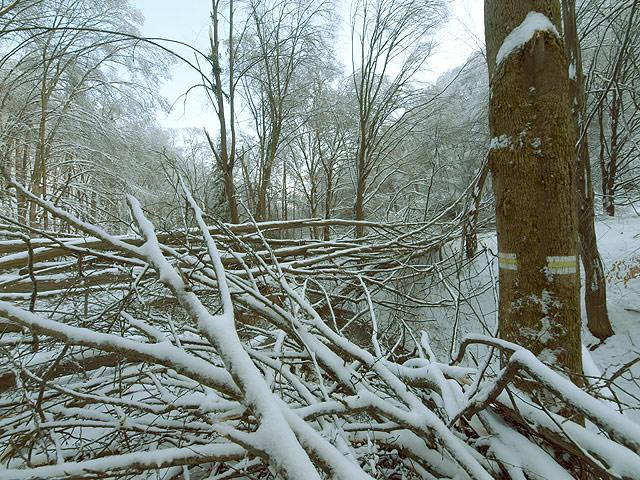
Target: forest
[354, 269]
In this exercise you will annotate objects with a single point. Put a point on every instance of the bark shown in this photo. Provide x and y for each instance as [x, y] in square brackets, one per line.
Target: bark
[361, 186]
[225, 155]
[326, 232]
[609, 191]
[263, 206]
[534, 179]
[595, 291]
[21, 174]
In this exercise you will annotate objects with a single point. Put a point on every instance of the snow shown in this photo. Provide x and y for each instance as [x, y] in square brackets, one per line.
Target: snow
[536, 143]
[534, 22]
[164, 354]
[594, 376]
[286, 455]
[619, 244]
[621, 460]
[599, 413]
[519, 454]
[500, 142]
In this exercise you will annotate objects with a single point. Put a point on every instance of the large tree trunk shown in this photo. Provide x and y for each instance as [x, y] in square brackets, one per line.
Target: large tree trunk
[595, 291]
[533, 171]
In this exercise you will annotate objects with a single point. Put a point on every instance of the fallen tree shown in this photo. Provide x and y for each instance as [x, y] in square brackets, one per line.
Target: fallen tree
[226, 354]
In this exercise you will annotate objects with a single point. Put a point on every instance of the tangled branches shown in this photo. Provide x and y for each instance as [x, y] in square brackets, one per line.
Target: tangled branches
[180, 358]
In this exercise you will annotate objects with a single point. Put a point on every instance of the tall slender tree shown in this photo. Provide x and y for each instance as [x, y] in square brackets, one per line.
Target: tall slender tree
[225, 151]
[391, 41]
[595, 291]
[531, 160]
[288, 38]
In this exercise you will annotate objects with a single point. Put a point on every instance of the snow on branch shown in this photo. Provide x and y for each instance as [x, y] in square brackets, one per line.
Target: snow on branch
[222, 352]
[138, 461]
[162, 354]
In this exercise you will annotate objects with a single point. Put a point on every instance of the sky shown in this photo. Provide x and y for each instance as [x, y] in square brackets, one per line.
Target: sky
[188, 21]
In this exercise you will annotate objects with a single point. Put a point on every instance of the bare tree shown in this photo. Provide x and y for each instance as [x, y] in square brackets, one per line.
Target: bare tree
[614, 81]
[319, 149]
[74, 72]
[187, 354]
[391, 42]
[288, 36]
[595, 295]
[223, 98]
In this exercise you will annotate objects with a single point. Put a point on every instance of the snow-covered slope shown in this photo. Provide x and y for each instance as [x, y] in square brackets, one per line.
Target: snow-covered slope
[619, 243]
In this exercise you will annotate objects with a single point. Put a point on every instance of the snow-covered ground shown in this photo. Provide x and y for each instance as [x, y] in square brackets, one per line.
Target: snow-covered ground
[619, 243]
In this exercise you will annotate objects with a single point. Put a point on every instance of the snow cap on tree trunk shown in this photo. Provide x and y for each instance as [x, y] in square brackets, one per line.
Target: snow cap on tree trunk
[520, 36]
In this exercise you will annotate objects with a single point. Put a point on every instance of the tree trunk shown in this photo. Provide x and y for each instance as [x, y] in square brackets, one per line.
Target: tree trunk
[44, 192]
[21, 174]
[285, 215]
[609, 195]
[8, 160]
[533, 171]
[328, 200]
[263, 208]
[595, 291]
[230, 194]
[604, 173]
[38, 177]
[358, 208]
[226, 155]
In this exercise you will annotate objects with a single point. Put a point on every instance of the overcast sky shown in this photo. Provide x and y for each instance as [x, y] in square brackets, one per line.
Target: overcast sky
[188, 21]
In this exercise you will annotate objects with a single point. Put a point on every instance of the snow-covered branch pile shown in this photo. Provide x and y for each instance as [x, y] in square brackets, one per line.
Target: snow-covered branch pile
[227, 355]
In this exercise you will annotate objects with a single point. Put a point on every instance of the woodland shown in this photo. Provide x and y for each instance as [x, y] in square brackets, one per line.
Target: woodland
[352, 271]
